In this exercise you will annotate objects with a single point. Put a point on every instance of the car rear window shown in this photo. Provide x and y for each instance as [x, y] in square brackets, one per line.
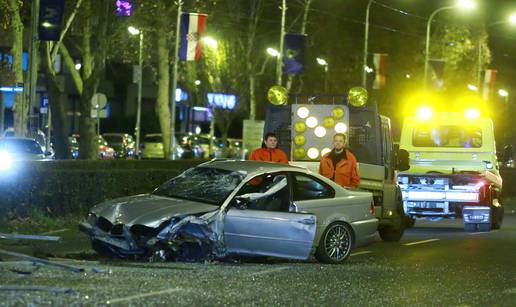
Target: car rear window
[153, 139]
[448, 136]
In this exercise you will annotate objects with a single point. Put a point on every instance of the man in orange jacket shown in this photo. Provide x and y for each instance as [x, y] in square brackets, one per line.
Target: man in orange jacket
[269, 152]
[340, 165]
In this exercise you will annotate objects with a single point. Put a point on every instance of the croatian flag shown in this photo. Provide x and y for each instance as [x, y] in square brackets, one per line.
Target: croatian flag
[380, 69]
[489, 83]
[192, 28]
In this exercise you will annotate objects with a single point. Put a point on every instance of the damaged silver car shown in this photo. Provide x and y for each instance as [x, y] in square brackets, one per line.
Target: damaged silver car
[225, 208]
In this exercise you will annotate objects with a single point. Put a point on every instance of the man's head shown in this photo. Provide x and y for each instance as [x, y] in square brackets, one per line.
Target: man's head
[270, 140]
[339, 141]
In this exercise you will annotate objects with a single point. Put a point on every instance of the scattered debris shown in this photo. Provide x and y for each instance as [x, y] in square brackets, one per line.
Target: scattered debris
[54, 231]
[39, 261]
[37, 288]
[28, 237]
[24, 272]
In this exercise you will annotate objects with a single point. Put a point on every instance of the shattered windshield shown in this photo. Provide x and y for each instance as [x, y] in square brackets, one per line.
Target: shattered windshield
[447, 136]
[208, 185]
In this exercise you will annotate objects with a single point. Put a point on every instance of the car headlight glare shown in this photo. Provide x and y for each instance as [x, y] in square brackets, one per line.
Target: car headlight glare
[5, 161]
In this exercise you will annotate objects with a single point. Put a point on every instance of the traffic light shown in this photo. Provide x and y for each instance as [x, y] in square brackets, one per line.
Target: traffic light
[50, 18]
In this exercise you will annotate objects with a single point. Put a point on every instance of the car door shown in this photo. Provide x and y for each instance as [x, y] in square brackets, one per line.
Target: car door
[266, 229]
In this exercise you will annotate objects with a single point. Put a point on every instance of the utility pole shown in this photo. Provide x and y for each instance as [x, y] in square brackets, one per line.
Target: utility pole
[174, 82]
[366, 44]
[279, 59]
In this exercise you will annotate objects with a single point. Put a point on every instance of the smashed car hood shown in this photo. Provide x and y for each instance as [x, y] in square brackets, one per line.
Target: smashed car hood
[148, 209]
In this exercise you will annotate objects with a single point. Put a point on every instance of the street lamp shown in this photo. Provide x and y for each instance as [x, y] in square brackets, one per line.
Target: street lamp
[473, 88]
[323, 63]
[464, 4]
[210, 41]
[272, 52]
[134, 31]
[512, 19]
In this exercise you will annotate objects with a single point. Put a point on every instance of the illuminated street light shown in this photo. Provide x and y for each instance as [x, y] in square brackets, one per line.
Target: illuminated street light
[197, 82]
[133, 30]
[473, 88]
[323, 63]
[512, 19]
[78, 66]
[466, 4]
[272, 52]
[210, 41]
[461, 4]
[503, 93]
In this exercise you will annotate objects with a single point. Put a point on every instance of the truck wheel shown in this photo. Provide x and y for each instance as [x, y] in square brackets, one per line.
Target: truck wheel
[470, 227]
[335, 244]
[497, 217]
[484, 227]
[393, 232]
[409, 222]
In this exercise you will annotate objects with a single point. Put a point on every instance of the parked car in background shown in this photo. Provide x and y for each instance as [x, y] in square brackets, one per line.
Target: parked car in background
[122, 143]
[236, 207]
[191, 146]
[16, 149]
[73, 146]
[104, 151]
[232, 149]
[152, 146]
[39, 136]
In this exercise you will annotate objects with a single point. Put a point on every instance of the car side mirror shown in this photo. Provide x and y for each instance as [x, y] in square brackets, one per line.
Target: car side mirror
[402, 160]
[241, 202]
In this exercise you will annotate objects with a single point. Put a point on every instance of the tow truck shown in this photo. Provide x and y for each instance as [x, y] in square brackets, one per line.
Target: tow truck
[454, 170]
[305, 129]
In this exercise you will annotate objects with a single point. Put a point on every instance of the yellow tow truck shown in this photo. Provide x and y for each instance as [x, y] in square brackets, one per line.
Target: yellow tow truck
[453, 169]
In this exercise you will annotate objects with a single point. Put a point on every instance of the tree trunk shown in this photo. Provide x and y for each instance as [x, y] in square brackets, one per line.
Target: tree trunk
[20, 107]
[252, 97]
[162, 104]
[93, 70]
[56, 103]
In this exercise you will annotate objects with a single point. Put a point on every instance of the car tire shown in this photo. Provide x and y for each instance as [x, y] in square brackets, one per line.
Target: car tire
[470, 227]
[335, 244]
[497, 217]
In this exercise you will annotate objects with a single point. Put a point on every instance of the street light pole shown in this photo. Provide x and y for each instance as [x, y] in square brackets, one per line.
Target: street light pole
[139, 103]
[427, 44]
[279, 59]
[366, 43]
[174, 82]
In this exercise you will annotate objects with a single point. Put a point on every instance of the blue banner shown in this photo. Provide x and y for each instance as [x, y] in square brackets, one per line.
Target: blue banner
[294, 53]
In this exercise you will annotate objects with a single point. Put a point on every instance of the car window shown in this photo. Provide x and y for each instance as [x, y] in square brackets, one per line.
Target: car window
[21, 146]
[153, 139]
[307, 187]
[202, 184]
[269, 192]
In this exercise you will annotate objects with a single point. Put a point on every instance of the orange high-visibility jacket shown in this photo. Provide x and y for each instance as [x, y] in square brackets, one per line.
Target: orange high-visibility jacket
[269, 155]
[346, 172]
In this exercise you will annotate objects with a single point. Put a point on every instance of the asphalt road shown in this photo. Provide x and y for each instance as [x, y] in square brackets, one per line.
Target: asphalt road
[436, 263]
